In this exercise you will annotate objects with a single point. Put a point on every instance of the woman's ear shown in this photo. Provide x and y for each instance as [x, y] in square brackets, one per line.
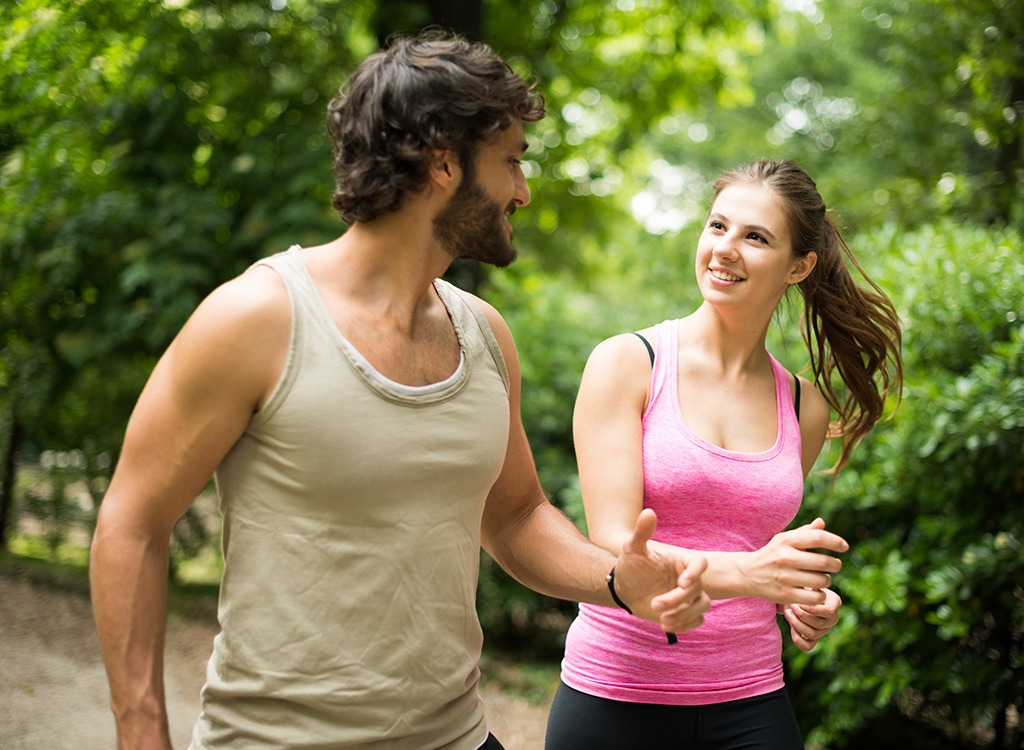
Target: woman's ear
[802, 267]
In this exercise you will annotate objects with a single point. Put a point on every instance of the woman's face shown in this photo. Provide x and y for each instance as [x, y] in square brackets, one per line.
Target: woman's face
[745, 252]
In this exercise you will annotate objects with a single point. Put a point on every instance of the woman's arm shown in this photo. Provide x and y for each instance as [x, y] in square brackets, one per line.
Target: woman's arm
[540, 547]
[808, 623]
[608, 436]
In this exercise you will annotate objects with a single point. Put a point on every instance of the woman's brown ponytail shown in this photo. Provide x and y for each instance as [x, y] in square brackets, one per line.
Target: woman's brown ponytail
[850, 330]
[854, 331]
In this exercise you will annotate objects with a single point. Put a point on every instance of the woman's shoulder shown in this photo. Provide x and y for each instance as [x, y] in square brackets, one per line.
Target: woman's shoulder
[626, 349]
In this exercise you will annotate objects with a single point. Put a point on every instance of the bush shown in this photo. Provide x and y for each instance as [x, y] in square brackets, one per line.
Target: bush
[931, 632]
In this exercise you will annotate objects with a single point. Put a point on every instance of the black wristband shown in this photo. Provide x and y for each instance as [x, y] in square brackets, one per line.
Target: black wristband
[610, 578]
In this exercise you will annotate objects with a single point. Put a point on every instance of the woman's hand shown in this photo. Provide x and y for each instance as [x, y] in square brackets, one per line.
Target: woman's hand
[810, 623]
[784, 571]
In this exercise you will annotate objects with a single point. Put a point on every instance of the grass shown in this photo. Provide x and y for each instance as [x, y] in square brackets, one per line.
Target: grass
[57, 573]
[38, 547]
[69, 570]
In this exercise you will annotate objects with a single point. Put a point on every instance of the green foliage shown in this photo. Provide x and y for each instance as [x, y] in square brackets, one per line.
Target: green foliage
[151, 150]
[611, 73]
[933, 623]
[902, 111]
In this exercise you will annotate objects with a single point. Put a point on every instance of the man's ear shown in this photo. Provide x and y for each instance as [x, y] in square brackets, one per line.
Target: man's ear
[444, 170]
[802, 268]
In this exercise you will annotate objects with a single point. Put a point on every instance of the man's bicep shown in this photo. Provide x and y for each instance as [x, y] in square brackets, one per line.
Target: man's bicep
[517, 490]
[196, 405]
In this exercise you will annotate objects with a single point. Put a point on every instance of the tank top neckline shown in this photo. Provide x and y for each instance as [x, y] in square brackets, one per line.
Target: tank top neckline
[431, 392]
[672, 385]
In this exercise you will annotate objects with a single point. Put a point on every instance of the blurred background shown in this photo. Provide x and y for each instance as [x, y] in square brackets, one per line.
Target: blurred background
[149, 151]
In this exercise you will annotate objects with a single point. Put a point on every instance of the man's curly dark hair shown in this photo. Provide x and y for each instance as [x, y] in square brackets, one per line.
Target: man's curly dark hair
[431, 91]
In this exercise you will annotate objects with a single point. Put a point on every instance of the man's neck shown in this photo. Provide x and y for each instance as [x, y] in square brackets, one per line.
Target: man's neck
[394, 259]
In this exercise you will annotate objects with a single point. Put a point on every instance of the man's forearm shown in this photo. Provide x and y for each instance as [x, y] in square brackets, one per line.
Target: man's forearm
[128, 575]
[546, 552]
[721, 580]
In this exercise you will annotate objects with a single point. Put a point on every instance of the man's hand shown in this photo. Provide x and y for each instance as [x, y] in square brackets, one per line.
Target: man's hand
[661, 586]
[784, 571]
[810, 623]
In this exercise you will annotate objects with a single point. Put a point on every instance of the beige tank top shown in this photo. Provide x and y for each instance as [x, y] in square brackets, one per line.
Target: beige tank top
[352, 508]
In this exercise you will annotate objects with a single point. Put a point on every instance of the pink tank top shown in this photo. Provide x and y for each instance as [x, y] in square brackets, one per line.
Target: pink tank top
[706, 498]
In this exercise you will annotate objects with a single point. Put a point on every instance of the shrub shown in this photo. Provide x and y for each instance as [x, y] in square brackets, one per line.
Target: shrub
[932, 627]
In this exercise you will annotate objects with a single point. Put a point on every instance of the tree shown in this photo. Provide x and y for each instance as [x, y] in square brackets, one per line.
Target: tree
[163, 149]
[904, 111]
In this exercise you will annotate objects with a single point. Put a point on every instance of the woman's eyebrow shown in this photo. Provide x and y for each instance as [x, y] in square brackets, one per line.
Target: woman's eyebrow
[760, 229]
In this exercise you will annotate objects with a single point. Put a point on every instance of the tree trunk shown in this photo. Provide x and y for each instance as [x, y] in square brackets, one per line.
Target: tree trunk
[7, 477]
[464, 17]
[467, 18]
[1010, 156]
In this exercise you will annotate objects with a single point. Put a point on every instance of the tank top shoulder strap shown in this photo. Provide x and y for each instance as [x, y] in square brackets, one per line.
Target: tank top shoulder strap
[468, 315]
[311, 321]
[292, 270]
[302, 300]
[788, 403]
[664, 372]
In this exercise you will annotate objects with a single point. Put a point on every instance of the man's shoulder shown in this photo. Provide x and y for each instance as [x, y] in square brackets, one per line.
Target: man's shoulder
[259, 288]
[253, 303]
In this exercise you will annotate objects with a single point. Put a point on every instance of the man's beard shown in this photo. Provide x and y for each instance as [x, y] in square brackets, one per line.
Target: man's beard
[472, 226]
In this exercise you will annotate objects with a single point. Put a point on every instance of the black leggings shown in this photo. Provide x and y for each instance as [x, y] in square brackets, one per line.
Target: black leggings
[582, 722]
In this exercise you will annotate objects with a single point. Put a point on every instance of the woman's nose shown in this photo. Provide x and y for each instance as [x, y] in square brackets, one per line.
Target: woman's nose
[725, 247]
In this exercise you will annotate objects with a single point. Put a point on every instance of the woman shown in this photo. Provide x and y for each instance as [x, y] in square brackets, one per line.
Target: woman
[695, 419]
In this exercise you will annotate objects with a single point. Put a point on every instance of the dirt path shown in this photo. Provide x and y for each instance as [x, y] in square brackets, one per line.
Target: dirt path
[53, 690]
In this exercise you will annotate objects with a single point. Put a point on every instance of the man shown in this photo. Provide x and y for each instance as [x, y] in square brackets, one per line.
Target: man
[362, 418]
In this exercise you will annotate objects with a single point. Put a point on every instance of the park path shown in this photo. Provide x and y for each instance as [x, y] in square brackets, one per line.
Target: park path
[53, 690]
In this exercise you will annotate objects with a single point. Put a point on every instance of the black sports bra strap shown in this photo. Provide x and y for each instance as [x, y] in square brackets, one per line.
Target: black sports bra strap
[796, 398]
[647, 343]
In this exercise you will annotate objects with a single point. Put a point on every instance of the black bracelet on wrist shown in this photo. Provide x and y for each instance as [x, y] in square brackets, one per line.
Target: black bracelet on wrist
[610, 579]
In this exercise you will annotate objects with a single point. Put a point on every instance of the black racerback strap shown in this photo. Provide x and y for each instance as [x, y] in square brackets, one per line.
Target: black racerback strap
[796, 398]
[647, 343]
